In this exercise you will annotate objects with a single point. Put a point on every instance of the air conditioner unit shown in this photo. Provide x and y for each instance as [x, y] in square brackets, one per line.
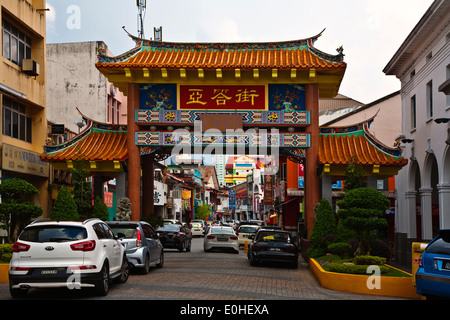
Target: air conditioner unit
[30, 67]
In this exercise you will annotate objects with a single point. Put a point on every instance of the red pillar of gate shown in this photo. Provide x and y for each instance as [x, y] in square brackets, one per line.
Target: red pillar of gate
[134, 158]
[312, 182]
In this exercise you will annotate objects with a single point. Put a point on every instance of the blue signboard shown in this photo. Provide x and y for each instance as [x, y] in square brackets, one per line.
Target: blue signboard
[232, 200]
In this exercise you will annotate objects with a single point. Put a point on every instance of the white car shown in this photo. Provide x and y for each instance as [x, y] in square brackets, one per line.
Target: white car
[74, 255]
[221, 238]
[197, 229]
[245, 231]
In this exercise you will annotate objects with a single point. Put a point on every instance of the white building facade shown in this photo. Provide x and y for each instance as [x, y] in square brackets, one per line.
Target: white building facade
[422, 64]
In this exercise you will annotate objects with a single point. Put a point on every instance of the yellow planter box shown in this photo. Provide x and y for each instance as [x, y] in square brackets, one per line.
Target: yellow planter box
[389, 286]
[4, 269]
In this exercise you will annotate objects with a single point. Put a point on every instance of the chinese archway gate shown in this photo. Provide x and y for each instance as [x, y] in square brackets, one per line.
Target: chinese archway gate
[245, 97]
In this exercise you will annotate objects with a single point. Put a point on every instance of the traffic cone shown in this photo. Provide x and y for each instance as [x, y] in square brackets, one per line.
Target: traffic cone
[246, 246]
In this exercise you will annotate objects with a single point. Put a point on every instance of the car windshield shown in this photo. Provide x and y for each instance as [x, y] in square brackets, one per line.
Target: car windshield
[441, 245]
[196, 225]
[53, 233]
[267, 236]
[248, 229]
[128, 230]
[221, 230]
[170, 227]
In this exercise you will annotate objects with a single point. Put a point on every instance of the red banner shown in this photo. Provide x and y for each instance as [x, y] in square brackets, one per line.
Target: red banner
[108, 199]
[268, 190]
[218, 97]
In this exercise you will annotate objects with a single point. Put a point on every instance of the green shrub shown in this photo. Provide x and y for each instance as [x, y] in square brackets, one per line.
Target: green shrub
[351, 268]
[341, 249]
[6, 252]
[381, 249]
[325, 224]
[315, 252]
[17, 207]
[369, 260]
[100, 210]
[6, 257]
[362, 211]
[64, 207]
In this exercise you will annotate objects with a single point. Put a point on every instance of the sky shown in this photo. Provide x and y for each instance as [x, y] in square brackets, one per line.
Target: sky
[371, 31]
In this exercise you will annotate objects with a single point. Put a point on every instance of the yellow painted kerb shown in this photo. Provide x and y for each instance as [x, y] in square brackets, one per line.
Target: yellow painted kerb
[390, 286]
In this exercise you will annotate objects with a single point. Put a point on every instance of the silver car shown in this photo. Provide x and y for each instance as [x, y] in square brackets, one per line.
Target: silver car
[141, 242]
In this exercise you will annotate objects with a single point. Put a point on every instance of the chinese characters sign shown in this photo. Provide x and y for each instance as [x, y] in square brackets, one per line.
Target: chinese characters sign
[222, 97]
[273, 97]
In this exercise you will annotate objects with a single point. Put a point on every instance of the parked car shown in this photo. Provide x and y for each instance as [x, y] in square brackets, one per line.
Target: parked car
[197, 229]
[143, 247]
[233, 223]
[258, 222]
[170, 221]
[221, 238]
[203, 223]
[272, 245]
[246, 230]
[50, 254]
[433, 275]
[175, 236]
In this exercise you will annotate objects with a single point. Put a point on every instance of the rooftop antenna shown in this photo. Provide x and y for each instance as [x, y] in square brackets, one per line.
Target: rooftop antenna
[142, 5]
[157, 33]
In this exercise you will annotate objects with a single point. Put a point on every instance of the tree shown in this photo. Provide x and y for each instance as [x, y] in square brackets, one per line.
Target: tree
[362, 210]
[64, 207]
[17, 208]
[354, 175]
[324, 224]
[82, 190]
[100, 210]
[202, 212]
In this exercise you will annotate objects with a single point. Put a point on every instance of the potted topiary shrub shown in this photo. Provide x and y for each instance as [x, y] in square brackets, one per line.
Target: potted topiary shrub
[64, 207]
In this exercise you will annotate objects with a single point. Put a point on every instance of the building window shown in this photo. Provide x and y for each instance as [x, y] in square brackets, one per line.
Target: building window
[430, 99]
[413, 112]
[16, 124]
[16, 44]
[113, 109]
[118, 111]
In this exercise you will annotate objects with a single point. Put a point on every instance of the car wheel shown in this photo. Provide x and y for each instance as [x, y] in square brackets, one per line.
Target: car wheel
[102, 286]
[252, 261]
[182, 247]
[161, 260]
[17, 293]
[124, 271]
[146, 267]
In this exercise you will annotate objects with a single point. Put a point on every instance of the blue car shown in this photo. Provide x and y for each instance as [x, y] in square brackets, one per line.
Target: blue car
[433, 275]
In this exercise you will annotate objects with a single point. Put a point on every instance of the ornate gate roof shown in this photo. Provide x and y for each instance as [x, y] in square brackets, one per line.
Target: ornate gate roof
[299, 59]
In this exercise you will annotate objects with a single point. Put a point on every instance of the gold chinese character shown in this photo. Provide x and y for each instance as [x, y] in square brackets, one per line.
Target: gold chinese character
[221, 98]
[245, 96]
[196, 96]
